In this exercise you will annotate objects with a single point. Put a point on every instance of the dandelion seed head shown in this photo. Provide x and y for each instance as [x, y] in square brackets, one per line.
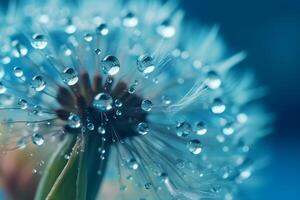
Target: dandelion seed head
[146, 94]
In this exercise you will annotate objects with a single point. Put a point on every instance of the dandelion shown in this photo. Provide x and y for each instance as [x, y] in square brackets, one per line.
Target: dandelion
[135, 102]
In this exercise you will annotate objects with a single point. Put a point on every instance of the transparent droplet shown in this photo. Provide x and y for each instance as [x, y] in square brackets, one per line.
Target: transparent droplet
[23, 104]
[183, 129]
[90, 126]
[103, 102]
[18, 50]
[148, 186]
[242, 118]
[132, 164]
[18, 72]
[102, 29]
[201, 128]
[118, 103]
[195, 146]
[218, 106]
[21, 143]
[74, 121]
[166, 30]
[39, 41]
[38, 83]
[101, 130]
[146, 105]
[2, 72]
[145, 64]
[130, 20]
[131, 89]
[110, 65]
[118, 112]
[142, 128]
[213, 80]
[228, 129]
[88, 37]
[70, 76]
[97, 51]
[2, 88]
[166, 100]
[70, 27]
[37, 139]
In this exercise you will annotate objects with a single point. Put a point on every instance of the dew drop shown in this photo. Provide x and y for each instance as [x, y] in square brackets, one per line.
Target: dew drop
[39, 41]
[201, 128]
[88, 37]
[166, 100]
[21, 143]
[23, 104]
[18, 72]
[213, 80]
[102, 29]
[146, 105]
[145, 64]
[38, 83]
[2, 88]
[90, 126]
[18, 50]
[101, 130]
[70, 28]
[218, 106]
[37, 139]
[228, 129]
[130, 20]
[118, 103]
[110, 65]
[74, 121]
[195, 146]
[103, 102]
[166, 30]
[70, 76]
[142, 128]
[97, 51]
[183, 129]
[132, 164]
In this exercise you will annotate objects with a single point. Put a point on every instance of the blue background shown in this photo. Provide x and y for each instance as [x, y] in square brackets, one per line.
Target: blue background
[269, 30]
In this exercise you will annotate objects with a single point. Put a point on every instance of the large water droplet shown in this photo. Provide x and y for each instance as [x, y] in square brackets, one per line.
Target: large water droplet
[110, 65]
[18, 50]
[130, 20]
[201, 128]
[183, 129]
[132, 164]
[74, 121]
[70, 76]
[146, 105]
[37, 139]
[38, 83]
[23, 104]
[142, 128]
[103, 102]
[88, 37]
[228, 129]
[145, 64]
[213, 80]
[195, 146]
[39, 41]
[166, 30]
[218, 106]
[18, 72]
[102, 29]
[101, 130]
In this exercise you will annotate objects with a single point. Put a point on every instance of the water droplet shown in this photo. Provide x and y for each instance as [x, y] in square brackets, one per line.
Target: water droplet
[142, 128]
[166, 100]
[90, 126]
[183, 129]
[88, 37]
[118, 113]
[97, 51]
[213, 80]
[18, 72]
[102, 29]
[101, 130]
[18, 50]
[70, 27]
[148, 186]
[110, 65]
[166, 30]
[37, 139]
[218, 106]
[103, 102]
[195, 146]
[146, 105]
[242, 118]
[2, 88]
[23, 104]
[21, 143]
[201, 128]
[118, 103]
[39, 41]
[34, 171]
[130, 20]
[228, 129]
[2, 72]
[74, 121]
[70, 76]
[38, 83]
[132, 164]
[145, 64]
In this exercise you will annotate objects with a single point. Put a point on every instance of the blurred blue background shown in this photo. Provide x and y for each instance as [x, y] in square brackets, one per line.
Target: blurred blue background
[269, 30]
